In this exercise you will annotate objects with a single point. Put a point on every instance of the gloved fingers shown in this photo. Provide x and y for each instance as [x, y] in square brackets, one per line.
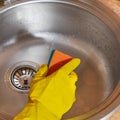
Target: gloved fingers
[41, 73]
[70, 66]
[73, 78]
[37, 89]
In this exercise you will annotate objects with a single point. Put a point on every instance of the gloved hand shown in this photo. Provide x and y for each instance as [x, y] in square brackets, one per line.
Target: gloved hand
[51, 96]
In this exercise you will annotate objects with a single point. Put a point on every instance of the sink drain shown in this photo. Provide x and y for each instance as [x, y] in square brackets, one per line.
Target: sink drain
[19, 76]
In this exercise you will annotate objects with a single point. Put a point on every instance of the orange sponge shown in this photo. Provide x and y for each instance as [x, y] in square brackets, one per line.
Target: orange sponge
[57, 59]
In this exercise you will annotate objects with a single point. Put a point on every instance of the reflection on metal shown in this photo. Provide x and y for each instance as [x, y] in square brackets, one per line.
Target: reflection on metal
[7, 2]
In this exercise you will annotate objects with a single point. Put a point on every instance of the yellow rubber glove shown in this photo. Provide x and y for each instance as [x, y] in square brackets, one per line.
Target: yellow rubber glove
[51, 96]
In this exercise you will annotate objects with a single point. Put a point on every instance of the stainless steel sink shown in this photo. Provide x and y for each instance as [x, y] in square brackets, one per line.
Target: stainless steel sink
[29, 30]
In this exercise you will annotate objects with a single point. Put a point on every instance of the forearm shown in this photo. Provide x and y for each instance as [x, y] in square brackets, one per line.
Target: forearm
[35, 111]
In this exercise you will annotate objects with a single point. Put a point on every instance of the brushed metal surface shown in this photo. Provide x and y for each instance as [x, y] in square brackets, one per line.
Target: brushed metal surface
[30, 30]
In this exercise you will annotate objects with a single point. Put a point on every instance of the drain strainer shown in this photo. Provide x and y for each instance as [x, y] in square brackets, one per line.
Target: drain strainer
[19, 76]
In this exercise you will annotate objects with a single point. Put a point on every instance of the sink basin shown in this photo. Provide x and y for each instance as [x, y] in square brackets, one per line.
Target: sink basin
[30, 30]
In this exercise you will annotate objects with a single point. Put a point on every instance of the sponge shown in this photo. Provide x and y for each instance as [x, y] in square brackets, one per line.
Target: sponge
[56, 60]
